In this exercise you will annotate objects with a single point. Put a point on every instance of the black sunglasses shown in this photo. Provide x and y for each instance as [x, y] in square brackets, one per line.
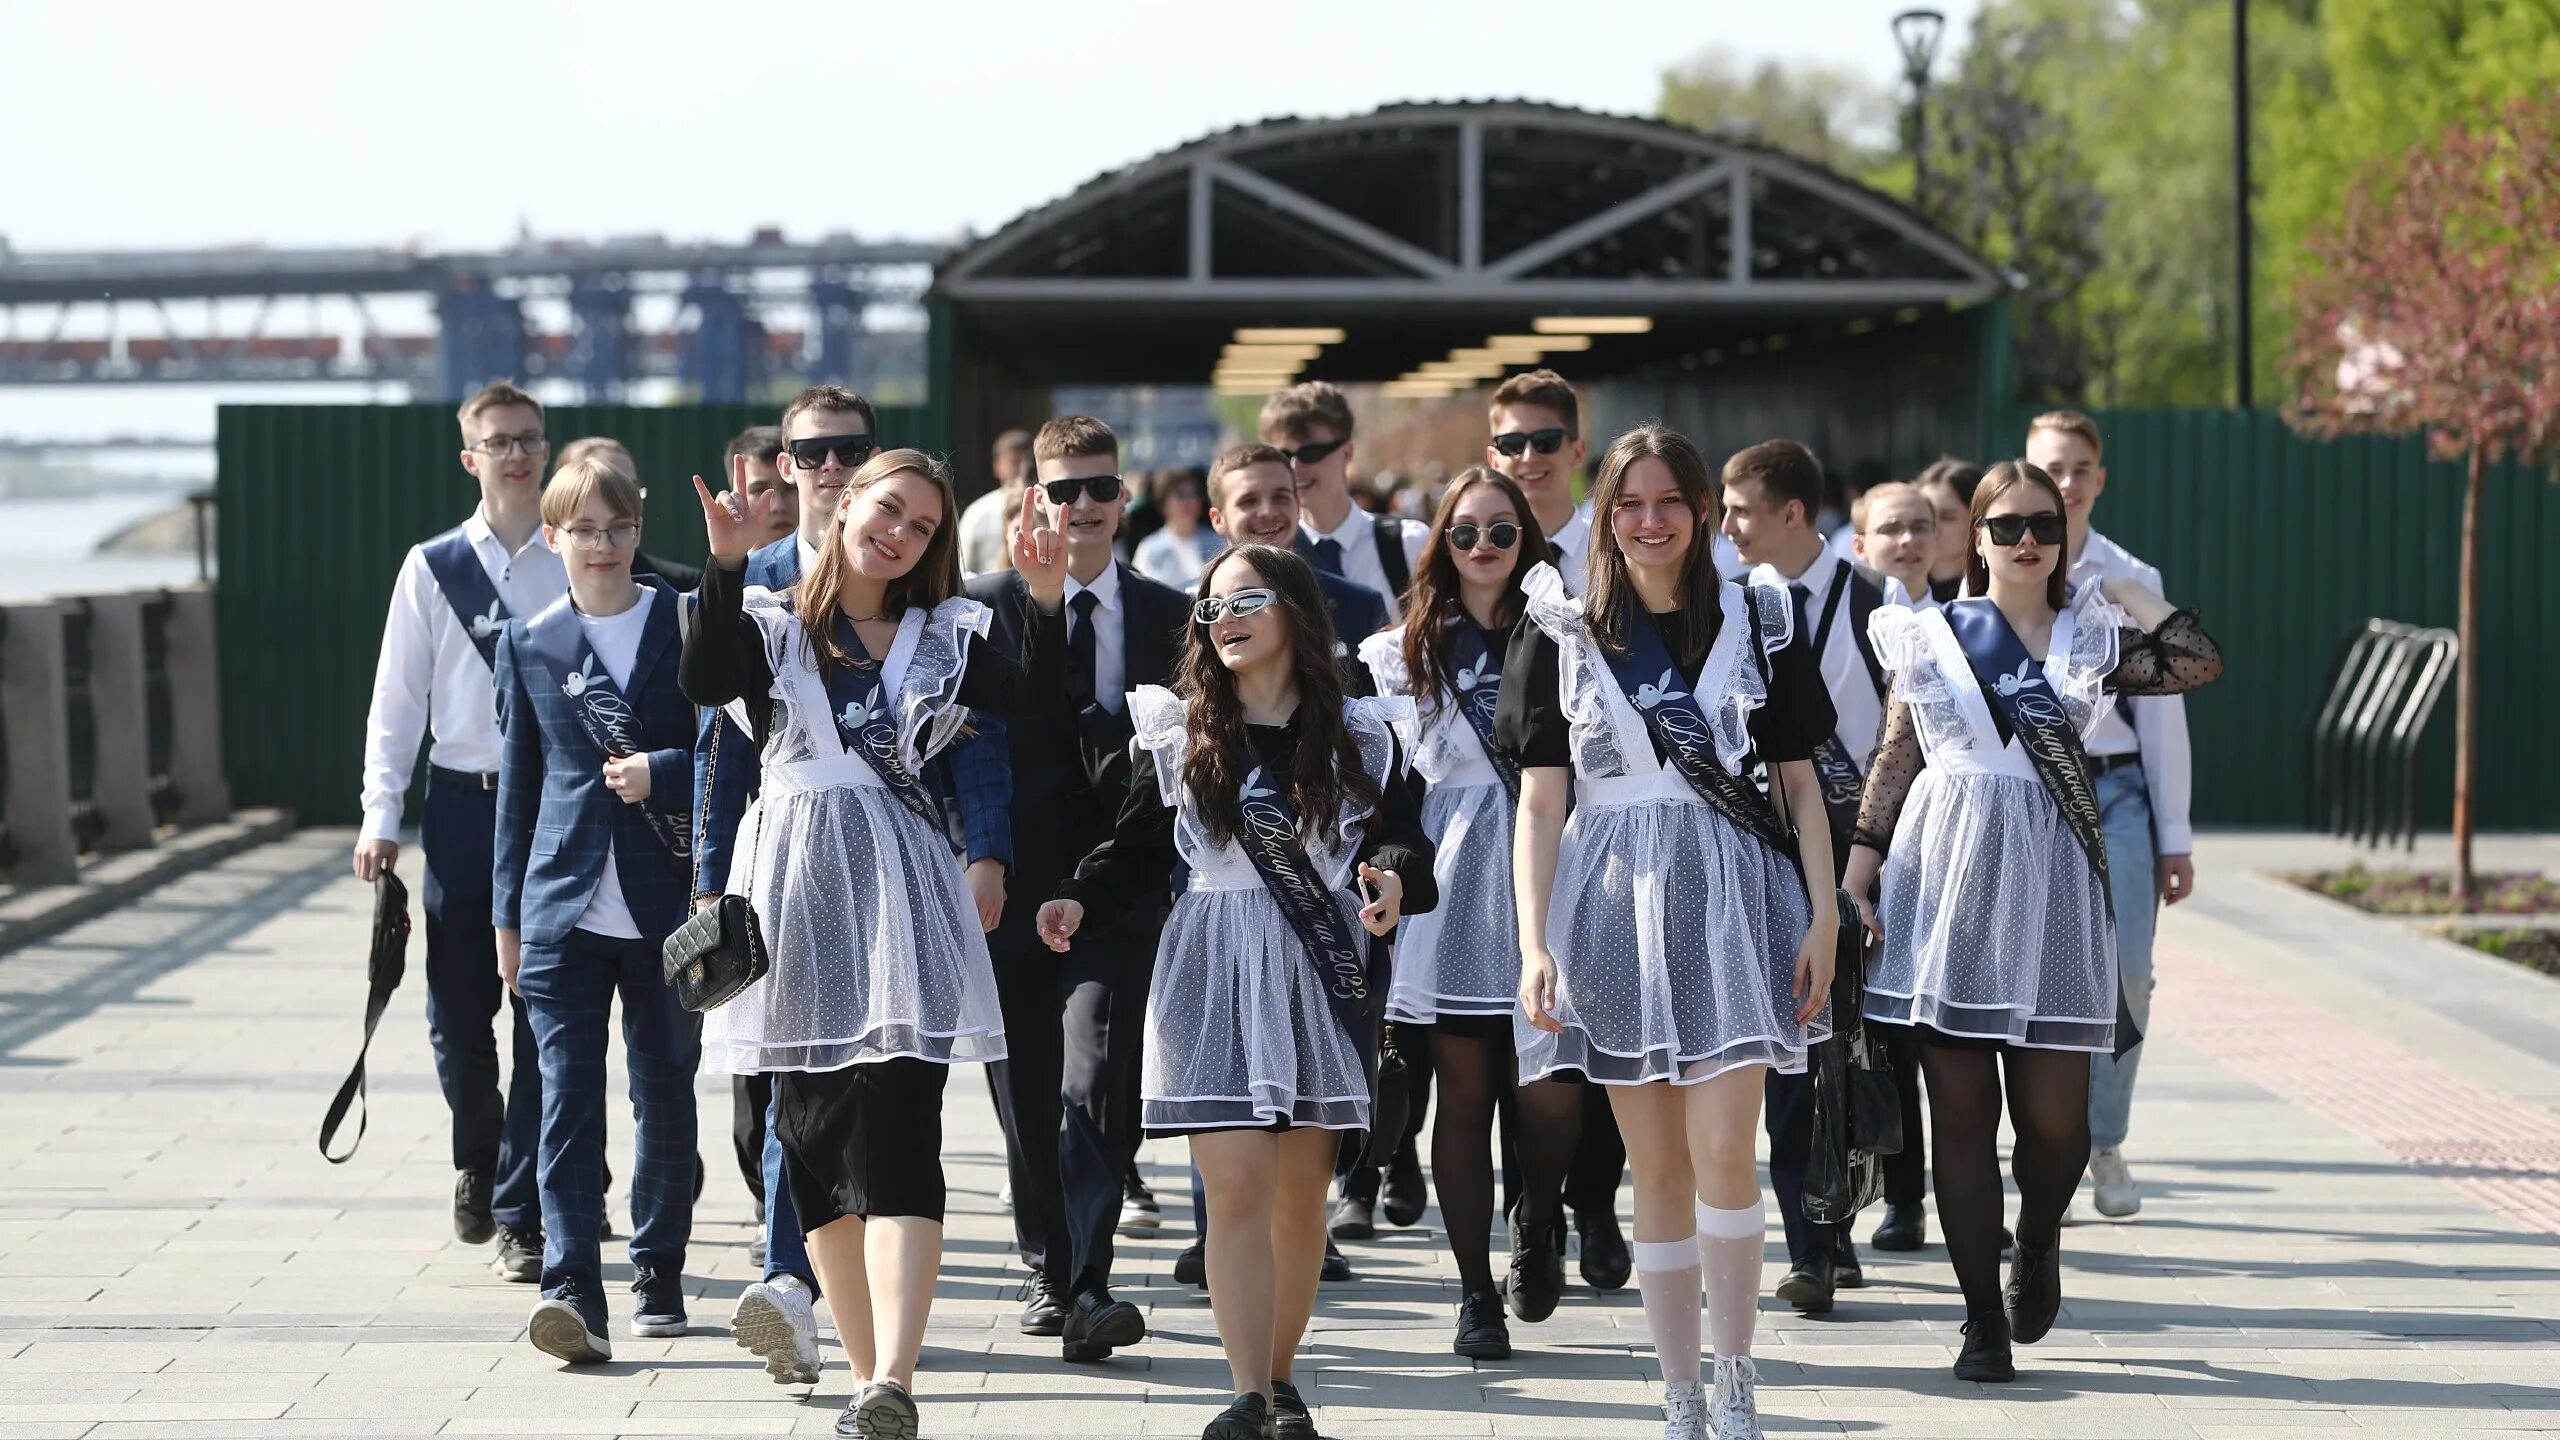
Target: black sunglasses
[850, 450]
[2006, 530]
[1314, 452]
[1502, 533]
[1517, 443]
[1062, 493]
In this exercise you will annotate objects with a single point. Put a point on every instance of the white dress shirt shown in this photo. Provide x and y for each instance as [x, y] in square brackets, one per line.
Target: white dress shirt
[1358, 537]
[1110, 636]
[1573, 551]
[1844, 671]
[616, 641]
[430, 679]
[982, 535]
[1894, 594]
[2154, 725]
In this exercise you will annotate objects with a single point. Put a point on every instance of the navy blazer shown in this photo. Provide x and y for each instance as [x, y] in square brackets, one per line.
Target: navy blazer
[981, 776]
[555, 816]
[1358, 613]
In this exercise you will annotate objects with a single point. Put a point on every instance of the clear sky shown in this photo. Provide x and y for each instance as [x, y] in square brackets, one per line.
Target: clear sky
[316, 122]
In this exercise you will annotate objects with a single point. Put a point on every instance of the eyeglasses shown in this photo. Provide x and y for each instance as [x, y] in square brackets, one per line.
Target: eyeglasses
[1062, 493]
[1502, 533]
[1906, 530]
[619, 536]
[1314, 452]
[499, 447]
[850, 450]
[1517, 442]
[2006, 530]
[1239, 604]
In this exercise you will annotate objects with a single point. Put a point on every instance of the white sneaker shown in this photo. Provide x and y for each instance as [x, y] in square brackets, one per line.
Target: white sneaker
[1685, 1409]
[777, 1320]
[1735, 1409]
[2115, 1194]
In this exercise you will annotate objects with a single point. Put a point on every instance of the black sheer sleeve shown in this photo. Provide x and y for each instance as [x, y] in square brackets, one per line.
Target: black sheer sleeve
[2172, 660]
[1135, 865]
[1394, 840]
[1528, 721]
[1898, 761]
[1799, 715]
[999, 685]
[723, 656]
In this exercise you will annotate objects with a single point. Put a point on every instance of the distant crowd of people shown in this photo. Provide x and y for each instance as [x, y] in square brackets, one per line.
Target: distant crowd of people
[1551, 823]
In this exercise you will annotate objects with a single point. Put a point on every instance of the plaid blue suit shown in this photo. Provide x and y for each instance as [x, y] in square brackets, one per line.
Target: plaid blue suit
[556, 820]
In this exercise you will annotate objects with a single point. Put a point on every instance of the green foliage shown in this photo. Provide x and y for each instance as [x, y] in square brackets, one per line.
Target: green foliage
[1825, 113]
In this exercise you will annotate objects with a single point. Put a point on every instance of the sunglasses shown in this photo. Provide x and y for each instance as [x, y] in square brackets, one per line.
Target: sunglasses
[1239, 604]
[2007, 530]
[1548, 441]
[1062, 493]
[850, 450]
[1314, 452]
[1502, 533]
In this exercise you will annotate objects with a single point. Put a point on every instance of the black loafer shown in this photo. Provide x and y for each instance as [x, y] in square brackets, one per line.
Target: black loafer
[1809, 1286]
[1098, 1325]
[2035, 1290]
[1247, 1417]
[472, 1224]
[1537, 1276]
[1191, 1267]
[1905, 1228]
[1606, 1261]
[1405, 1195]
[1985, 1356]
[1043, 1313]
[1335, 1267]
[1353, 1219]
[1482, 1333]
[1846, 1272]
[1290, 1418]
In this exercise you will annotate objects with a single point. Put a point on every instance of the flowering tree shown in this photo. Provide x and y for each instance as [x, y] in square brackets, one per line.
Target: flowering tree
[2434, 307]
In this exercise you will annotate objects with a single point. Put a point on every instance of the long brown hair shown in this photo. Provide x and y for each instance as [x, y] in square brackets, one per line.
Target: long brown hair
[1434, 603]
[2002, 478]
[1610, 608]
[934, 578]
[1327, 768]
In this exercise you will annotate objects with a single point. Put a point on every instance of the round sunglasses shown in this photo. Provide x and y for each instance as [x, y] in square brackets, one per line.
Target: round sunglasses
[1239, 604]
[1502, 533]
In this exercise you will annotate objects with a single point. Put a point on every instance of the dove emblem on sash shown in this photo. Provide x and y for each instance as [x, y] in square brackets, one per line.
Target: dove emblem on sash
[1652, 694]
[2014, 683]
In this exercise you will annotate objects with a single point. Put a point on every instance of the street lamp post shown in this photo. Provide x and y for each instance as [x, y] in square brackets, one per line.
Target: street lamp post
[2245, 363]
[1917, 32]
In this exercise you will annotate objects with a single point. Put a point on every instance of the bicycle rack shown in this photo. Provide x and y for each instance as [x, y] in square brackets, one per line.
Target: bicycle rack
[2365, 741]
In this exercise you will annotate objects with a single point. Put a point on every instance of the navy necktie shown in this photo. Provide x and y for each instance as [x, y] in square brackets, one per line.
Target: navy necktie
[1329, 556]
[1080, 647]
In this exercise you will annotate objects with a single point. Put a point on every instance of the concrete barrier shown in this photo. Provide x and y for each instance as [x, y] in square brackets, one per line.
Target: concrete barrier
[121, 704]
[195, 694]
[39, 759]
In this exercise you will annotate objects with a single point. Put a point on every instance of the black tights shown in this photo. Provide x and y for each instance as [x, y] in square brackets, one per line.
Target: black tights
[2048, 1093]
[1474, 1073]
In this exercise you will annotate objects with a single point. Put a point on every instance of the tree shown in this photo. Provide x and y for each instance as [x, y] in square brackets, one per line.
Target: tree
[2434, 307]
[1824, 113]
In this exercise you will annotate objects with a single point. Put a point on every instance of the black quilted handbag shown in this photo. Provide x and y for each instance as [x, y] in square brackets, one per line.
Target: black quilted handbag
[719, 951]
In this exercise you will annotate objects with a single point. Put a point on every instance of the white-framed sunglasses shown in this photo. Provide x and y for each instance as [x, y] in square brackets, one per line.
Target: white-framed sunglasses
[1239, 604]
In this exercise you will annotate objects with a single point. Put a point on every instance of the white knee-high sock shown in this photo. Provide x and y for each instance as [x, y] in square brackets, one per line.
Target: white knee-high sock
[1667, 1278]
[1731, 1244]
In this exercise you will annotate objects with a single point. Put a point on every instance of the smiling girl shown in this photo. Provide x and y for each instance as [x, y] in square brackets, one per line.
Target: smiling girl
[880, 978]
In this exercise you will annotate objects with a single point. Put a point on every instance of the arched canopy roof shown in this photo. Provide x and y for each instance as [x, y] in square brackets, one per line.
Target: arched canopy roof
[1421, 227]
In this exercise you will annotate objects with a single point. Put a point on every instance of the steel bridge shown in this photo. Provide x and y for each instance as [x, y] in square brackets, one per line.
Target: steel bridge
[78, 318]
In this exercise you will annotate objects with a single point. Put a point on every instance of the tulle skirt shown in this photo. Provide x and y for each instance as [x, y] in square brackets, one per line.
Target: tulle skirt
[1463, 956]
[1239, 1031]
[875, 946]
[1675, 935]
[1995, 926]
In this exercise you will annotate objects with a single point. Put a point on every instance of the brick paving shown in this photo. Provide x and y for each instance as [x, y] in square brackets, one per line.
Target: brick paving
[2348, 1230]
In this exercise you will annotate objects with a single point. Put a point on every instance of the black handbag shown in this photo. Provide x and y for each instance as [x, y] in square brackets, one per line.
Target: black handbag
[1857, 1109]
[719, 950]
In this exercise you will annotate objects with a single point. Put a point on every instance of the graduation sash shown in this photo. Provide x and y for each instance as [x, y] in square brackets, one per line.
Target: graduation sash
[1654, 685]
[2023, 707]
[1843, 783]
[1340, 954]
[865, 725]
[1479, 692]
[466, 586]
[561, 654]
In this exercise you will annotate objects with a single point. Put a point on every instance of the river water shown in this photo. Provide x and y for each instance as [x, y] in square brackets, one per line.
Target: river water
[48, 545]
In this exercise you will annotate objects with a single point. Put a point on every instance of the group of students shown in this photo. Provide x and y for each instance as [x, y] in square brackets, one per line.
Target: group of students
[1532, 799]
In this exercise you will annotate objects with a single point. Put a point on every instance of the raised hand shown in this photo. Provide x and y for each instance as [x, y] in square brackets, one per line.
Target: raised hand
[1039, 551]
[732, 519]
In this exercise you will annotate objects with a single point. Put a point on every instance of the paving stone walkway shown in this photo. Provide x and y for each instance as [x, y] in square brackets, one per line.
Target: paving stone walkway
[2349, 1140]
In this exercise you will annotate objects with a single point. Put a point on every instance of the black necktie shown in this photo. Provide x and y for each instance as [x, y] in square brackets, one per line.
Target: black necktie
[1329, 556]
[1080, 647]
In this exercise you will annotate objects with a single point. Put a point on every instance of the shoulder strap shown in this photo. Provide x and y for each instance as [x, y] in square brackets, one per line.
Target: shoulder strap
[1390, 533]
[384, 968]
[1865, 599]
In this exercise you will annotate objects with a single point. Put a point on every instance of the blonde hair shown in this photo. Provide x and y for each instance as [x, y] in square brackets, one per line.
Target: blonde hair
[589, 477]
[1865, 505]
[2069, 422]
[599, 447]
[493, 395]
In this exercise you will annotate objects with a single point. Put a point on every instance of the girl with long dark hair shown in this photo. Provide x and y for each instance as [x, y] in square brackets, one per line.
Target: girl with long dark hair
[1279, 795]
[880, 979]
[1457, 969]
[1996, 945]
[1688, 945]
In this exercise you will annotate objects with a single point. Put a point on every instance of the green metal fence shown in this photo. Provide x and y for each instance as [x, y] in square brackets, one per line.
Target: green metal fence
[318, 505]
[2288, 545]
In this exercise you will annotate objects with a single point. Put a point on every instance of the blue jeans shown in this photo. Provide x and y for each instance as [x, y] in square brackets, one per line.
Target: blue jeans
[786, 1250]
[2133, 866]
[492, 1130]
[570, 988]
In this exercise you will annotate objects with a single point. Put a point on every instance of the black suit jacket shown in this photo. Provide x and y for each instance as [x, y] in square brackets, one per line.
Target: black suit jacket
[676, 573]
[1071, 767]
[1358, 613]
